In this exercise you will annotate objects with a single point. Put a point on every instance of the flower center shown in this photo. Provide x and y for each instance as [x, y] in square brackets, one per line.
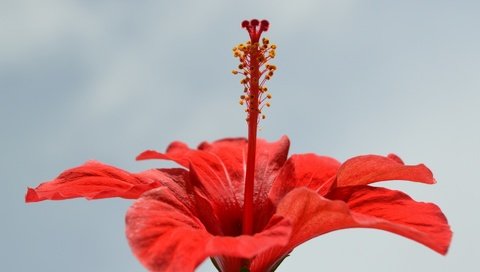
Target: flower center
[253, 56]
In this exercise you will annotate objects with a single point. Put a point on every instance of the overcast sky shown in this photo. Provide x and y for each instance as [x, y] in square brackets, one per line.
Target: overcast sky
[106, 80]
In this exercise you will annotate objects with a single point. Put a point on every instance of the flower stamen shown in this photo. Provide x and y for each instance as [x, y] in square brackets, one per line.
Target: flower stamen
[254, 56]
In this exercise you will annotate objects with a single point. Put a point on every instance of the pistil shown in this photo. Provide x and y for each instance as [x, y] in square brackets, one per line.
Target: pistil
[253, 56]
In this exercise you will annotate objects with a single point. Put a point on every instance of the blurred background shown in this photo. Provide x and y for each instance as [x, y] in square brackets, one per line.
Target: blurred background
[106, 80]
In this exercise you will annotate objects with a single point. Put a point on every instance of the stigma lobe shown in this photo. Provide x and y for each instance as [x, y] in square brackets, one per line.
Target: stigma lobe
[255, 28]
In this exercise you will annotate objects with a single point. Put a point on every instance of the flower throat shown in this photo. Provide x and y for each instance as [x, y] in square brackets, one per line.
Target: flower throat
[253, 56]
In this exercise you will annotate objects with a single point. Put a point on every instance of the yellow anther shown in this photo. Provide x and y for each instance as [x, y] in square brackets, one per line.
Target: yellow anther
[253, 56]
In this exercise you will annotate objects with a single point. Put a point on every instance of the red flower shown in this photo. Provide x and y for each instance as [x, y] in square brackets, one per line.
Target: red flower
[188, 214]
[242, 202]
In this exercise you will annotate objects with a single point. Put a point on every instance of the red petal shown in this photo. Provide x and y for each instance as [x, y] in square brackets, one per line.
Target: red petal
[94, 180]
[396, 212]
[270, 159]
[177, 151]
[217, 186]
[305, 170]
[367, 169]
[367, 207]
[217, 193]
[310, 215]
[168, 236]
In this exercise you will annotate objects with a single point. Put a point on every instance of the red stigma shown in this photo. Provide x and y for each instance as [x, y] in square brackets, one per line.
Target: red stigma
[264, 24]
[255, 28]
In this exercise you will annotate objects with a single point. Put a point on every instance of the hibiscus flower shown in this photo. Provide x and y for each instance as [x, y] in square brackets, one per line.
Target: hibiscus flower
[243, 202]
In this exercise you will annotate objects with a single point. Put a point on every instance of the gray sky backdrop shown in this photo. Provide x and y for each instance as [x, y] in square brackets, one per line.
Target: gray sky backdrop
[106, 80]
